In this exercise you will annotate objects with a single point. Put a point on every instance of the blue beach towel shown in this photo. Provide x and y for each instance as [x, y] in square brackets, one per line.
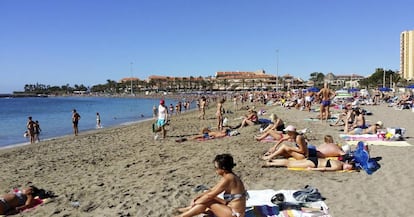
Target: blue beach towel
[262, 211]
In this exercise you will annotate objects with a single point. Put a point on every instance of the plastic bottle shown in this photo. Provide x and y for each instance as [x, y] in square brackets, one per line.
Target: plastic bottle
[75, 204]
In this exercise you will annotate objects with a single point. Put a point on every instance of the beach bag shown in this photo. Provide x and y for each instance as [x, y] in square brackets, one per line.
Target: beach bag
[308, 194]
[225, 122]
[234, 133]
[155, 128]
[363, 160]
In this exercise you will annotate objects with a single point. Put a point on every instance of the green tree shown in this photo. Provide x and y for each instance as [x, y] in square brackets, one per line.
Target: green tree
[318, 78]
[376, 79]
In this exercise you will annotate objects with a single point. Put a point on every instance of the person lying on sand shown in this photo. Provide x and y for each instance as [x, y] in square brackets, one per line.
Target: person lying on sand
[311, 163]
[234, 198]
[18, 201]
[206, 133]
[300, 151]
[373, 129]
[275, 129]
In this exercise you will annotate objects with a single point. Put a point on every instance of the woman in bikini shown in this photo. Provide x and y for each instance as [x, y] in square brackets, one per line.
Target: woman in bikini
[234, 199]
[300, 151]
[250, 119]
[206, 133]
[275, 129]
[17, 201]
[311, 163]
[219, 114]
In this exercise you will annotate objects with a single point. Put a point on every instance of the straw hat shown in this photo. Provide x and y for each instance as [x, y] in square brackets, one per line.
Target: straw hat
[379, 123]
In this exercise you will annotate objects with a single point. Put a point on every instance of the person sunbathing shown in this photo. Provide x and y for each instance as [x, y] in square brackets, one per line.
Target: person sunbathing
[311, 163]
[234, 197]
[329, 148]
[18, 201]
[344, 117]
[206, 133]
[275, 129]
[250, 119]
[373, 129]
[300, 151]
[359, 121]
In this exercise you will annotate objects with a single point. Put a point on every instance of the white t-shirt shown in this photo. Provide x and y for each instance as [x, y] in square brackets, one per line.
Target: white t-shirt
[162, 112]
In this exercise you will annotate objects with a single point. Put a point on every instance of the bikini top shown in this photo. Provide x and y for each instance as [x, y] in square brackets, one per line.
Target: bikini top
[230, 197]
[21, 198]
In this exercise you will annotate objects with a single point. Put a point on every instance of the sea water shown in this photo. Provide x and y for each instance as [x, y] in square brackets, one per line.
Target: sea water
[55, 114]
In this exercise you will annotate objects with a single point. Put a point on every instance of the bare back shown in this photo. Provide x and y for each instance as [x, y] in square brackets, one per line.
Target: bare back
[325, 93]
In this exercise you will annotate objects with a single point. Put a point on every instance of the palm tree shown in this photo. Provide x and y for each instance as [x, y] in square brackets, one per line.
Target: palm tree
[184, 83]
[191, 82]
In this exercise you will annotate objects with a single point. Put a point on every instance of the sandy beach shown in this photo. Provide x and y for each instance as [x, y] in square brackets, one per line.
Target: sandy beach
[123, 171]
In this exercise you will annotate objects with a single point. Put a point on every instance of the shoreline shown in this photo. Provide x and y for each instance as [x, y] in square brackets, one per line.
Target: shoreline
[16, 139]
[87, 131]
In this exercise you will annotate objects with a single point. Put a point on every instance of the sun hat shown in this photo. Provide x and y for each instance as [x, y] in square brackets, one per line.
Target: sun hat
[162, 102]
[379, 123]
[290, 128]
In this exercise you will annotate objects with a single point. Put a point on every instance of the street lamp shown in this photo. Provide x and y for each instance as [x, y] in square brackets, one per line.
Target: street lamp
[131, 77]
[277, 69]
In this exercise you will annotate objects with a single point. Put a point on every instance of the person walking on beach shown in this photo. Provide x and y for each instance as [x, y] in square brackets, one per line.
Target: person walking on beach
[219, 114]
[325, 94]
[75, 121]
[154, 111]
[234, 197]
[31, 129]
[98, 120]
[171, 109]
[202, 106]
[162, 118]
[37, 131]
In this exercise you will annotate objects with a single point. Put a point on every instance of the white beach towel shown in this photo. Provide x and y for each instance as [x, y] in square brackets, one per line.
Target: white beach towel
[259, 205]
[385, 143]
[363, 137]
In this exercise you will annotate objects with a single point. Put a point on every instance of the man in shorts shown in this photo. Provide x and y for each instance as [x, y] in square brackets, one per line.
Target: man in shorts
[75, 120]
[162, 118]
[325, 94]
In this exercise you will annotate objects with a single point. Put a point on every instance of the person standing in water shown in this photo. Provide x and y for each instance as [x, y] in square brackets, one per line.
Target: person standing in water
[98, 120]
[31, 129]
[37, 131]
[75, 121]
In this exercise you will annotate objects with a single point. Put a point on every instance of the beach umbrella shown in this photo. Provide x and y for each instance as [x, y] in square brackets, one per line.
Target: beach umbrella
[343, 96]
[385, 89]
[411, 86]
[313, 89]
[354, 89]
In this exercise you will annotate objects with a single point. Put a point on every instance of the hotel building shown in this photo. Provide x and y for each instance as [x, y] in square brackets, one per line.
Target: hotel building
[407, 55]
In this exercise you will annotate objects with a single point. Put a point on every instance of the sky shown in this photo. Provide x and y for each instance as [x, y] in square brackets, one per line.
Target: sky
[90, 41]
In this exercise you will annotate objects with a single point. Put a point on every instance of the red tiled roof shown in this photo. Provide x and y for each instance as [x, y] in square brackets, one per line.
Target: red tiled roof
[128, 79]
